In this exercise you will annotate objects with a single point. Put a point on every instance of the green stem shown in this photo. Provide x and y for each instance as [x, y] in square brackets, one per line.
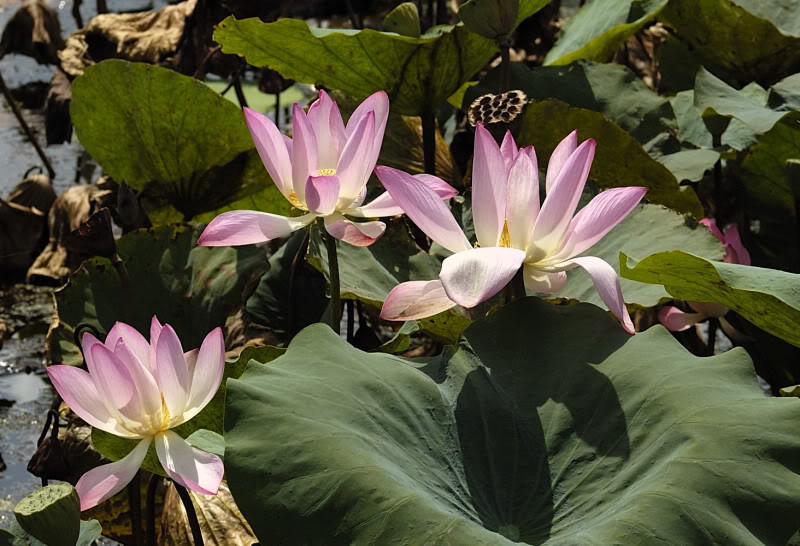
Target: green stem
[429, 141]
[505, 66]
[152, 485]
[135, 505]
[333, 268]
[713, 324]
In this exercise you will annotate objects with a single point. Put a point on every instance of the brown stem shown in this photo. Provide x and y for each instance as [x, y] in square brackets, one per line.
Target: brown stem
[152, 486]
[135, 504]
[191, 514]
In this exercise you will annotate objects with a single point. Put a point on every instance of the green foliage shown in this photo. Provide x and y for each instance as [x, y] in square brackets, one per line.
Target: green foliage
[404, 20]
[600, 27]
[494, 19]
[90, 531]
[546, 425]
[168, 134]
[619, 160]
[648, 229]
[766, 297]
[417, 73]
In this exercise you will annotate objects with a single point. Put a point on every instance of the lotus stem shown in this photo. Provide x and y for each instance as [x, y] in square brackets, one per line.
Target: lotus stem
[333, 268]
[518, 284]
[429, 141]
[152, 486]
[505, 57]
[135, 504]
[713, 325]
[191, 514]
[351, 321]
[297, 263]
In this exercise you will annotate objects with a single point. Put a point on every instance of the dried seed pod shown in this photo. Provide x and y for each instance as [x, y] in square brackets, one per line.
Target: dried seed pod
[498, 113]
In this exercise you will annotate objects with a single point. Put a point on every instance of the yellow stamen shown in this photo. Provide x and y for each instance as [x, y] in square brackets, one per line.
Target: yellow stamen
[164, 414]
[326, 172]
[505, 237]
[295, 201]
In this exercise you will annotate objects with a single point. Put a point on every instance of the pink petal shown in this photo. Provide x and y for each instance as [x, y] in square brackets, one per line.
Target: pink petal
[508, 149]
[155, 330]
[559, 158]
[562, 200]
[271, 148]
[712, 226]
[322, 194]
[78, 390]
[537, 280]
[488, 189]
[598, 218]
[207, 372]
[114, 382]
[245, 227]
[354, 233]
[676, 320]
[735, 252]
[522, 200]
[384, 205]
[191, 360]
[173, 374]
[424, 207]
[103, 482]
[606, 282]
[324, 117]
[133, 339]
[415, 300]
[144, 382]
[194, 469]
[378, 103]
[356, 164]
[304, 151]
[473, 276]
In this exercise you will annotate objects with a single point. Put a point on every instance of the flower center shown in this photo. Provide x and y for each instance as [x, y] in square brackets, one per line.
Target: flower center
[295, 201]
[326, 172]
[164, 415]
[505, 237]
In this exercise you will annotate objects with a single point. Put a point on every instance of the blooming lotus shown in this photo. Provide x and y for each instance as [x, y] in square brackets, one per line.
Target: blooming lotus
[513, 231]
[140, 390]
[322, 170]
[676, 320]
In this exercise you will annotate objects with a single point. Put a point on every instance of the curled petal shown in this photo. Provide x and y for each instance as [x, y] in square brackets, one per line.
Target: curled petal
[133, 339]
[304, 151]
[155, 330]
[194, 469]
[676, 320]
[537, 280]
[322, 192]
[606, 282]
[378, 103]
[735, 252]
[354, 233]
[597, 218]
[488, 189]
[103, 482]
[522, 204]
[78, 390]
[424, 207]
[712, 226]
[559, 157]
[206, 373]
[143, 379]
[271, 147]
[115, 384]
[508, 149]
[562, 200]
[474, 276]
[245, 227]
[416, 300]
[356, 164]
[384, 205]
[326, 120]
[173, 373]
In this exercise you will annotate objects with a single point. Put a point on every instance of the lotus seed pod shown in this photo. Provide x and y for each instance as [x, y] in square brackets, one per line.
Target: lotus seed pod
[498, 113]
[51, 514]
[493, 19]
[404, 20]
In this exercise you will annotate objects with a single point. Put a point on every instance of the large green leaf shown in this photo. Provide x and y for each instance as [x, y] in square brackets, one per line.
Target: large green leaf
[190, 287]
[369, 273]
[768, 298]
[619, 160]
[751, 39]
[600, 27]
[546, 425]
[417, 73]
[167, 133]
[611, 89]
[692, 129]
[648, 229]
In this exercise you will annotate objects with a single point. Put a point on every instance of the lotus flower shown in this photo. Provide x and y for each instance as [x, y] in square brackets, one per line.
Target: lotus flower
[140, 390]
[676, 320]
[511, 228]
[323, 170]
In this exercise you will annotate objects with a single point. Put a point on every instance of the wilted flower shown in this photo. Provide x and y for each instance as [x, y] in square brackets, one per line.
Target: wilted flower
[511, 229]
[676, 320]
[323, 170]
[140, 390]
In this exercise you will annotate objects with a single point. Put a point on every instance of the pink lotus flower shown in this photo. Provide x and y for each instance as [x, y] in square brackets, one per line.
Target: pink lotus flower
[511, 228]
[140, 390]
[323, 170]
[676, 320]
